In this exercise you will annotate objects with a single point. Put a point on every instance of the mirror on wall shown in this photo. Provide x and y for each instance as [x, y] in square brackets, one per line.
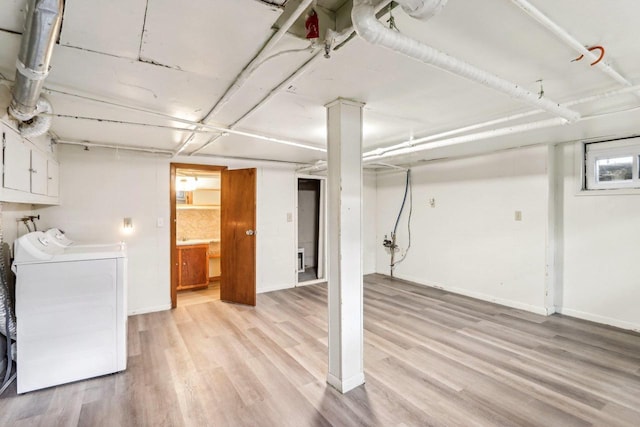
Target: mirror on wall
[197, 187]
[184, 197]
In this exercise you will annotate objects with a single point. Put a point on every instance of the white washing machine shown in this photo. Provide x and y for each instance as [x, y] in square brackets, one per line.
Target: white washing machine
[71, 311]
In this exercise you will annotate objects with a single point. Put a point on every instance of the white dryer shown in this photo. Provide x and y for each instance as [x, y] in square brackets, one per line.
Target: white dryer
[71, 311]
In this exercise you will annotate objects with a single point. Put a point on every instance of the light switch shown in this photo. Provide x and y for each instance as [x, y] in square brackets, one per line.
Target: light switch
[518, 216]
[160, 222]
[289, 217]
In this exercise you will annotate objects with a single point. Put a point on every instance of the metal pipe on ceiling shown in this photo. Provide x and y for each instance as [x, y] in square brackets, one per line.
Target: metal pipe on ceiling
[492, 133]
[285, 83]
[32, 66]
[373, 31]
[249, 69]
[168, 153]
[242, 78]
[569, 40]
[333, 39]
[203, 127]
[420, 144]
[424, 139]
[112, 146]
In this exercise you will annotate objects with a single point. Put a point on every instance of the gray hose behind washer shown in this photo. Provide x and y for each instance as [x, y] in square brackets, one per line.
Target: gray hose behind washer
[7, 294]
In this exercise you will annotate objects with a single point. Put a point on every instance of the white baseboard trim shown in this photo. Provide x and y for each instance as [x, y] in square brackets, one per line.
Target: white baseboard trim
[599, 319]
[274, 288]
[162, 307]
[478, 295]
[344, 386]
[311, 282]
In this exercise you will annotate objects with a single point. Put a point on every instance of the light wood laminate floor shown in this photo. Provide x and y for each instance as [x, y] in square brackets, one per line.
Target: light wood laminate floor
[210, 294]
[431, 358]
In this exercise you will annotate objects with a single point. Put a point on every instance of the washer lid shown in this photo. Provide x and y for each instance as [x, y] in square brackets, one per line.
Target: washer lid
[36, 247]
[58, 237]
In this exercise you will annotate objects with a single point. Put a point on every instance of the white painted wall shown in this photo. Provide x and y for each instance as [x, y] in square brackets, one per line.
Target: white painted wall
[370, 238]
[601, 272]
[11, 227]
[276, 260]
[469, 242]
[101, 187]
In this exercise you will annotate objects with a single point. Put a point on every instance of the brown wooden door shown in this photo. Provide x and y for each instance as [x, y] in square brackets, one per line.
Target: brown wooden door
[238, 240]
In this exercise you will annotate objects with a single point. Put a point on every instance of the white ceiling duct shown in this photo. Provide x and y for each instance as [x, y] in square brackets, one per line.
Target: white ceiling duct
[369, 28]
[38, 38]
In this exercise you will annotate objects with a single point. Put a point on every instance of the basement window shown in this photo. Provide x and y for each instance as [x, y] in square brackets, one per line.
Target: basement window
[612, 164]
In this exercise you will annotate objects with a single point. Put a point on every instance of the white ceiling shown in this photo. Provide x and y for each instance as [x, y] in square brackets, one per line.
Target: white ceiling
[178, 58]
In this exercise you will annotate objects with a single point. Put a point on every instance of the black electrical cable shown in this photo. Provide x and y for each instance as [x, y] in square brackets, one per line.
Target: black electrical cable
[408, 190]
[404, 199]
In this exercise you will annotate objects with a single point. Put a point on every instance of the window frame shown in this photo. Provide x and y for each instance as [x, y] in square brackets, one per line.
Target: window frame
[596, 151]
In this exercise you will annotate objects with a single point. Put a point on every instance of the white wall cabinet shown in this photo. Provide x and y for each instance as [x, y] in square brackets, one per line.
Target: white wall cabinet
[52, 178]
[38, 173]
[17, 162]
[29, 174]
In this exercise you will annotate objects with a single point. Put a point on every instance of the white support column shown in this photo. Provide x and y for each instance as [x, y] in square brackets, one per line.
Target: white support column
[344, 131]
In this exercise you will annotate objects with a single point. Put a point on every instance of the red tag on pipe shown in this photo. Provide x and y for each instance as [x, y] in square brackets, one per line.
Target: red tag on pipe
[311, 24]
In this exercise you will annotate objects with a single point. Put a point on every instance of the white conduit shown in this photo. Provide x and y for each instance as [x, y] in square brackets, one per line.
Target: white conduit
[248, 70]
[255, 62]
[114, 146]
[569, 40]
[416, 141]
[286, 83]
[369, 28]
[493, 133]
[374, 155]
[332, 37]
[222, 129]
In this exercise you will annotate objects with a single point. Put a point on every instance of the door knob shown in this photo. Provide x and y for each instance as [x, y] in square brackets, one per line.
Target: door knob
[250, 232]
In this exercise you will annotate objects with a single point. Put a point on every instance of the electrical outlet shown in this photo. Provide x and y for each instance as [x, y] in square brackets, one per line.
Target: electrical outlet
[518, 216]
[432, 202]
[289, 217]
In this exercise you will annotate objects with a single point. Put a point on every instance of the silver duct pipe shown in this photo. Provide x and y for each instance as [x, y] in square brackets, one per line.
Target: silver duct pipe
[40, 33]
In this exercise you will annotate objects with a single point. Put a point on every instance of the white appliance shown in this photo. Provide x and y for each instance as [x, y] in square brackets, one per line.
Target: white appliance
[71, 311]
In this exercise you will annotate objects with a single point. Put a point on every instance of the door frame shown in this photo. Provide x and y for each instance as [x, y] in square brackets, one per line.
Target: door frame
[322, 229]
[173, 248]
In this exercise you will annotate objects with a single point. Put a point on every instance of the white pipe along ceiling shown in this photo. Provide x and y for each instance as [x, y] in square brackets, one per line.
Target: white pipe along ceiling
[332, 40]
[255, 89]
[369, 28]
[248, 70]
[522, 128]
[567, 38]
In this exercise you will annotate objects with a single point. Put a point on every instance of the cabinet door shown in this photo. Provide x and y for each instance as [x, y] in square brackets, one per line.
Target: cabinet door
[193, 266]
[17, 161]
[38, 173]
[52, 178]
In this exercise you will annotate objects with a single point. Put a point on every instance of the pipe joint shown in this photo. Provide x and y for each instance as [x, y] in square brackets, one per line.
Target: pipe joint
[422, 9]
[40, 124]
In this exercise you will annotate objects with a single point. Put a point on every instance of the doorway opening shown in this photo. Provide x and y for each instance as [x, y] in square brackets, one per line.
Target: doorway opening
[311, 236]
[213, 246]
[197, 205]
